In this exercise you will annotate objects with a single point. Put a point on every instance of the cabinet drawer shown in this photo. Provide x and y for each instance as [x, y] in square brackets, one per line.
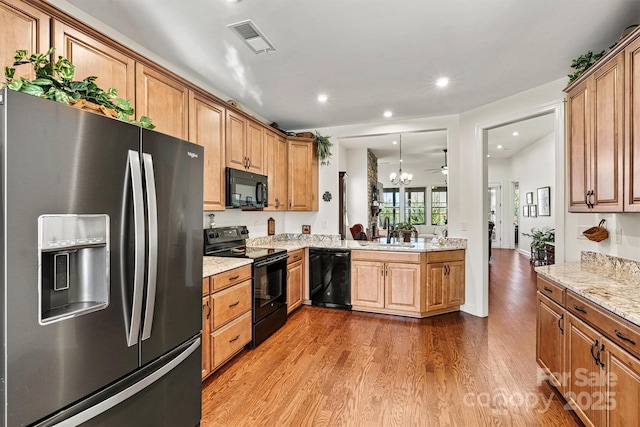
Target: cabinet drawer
[295, 256]
[621, 332]
[231, 277]
[384, 256]
[445, 256]
[551, 290]
[230, 303]
[205, 286]
[230, 339]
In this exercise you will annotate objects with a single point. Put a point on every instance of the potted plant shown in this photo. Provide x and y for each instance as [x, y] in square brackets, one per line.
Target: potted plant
[324, 148]
[54, 81]
[539, 239]
[405, 229]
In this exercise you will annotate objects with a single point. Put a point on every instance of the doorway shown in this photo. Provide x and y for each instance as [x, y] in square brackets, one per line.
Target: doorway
[495, 216]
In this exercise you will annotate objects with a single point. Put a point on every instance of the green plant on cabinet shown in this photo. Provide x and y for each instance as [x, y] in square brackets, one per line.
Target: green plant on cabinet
[54, 81]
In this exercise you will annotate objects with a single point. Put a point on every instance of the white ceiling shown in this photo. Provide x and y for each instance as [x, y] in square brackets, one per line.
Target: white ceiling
[368, 55]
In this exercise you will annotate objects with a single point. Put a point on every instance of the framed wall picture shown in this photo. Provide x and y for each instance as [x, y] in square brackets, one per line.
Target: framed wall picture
[525, 210]
[530, 198]
[544, 201]
[306, 229]
[533, 210]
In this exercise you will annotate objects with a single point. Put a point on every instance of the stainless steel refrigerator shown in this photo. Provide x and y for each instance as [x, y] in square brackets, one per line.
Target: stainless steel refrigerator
[101, 231]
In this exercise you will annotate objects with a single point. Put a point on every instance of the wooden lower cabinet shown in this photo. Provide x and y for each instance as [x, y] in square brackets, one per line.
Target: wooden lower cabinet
[621, 387]
[226, 310]
[583, 349]
[295, 279]
[206, 336]
[584, 379]
[446, 276]
[404, 282]
[550, 347]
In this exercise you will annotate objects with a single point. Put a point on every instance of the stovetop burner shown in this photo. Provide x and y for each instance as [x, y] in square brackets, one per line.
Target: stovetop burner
[231, 242]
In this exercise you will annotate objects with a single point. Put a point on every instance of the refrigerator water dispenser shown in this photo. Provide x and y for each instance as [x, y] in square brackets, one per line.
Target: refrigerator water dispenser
[73, 265]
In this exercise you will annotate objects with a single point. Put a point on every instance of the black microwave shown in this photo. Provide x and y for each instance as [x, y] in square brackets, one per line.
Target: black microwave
[245, 190]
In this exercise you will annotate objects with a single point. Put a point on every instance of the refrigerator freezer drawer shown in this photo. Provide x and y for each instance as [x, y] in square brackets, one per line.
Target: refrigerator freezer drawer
[230, 339]
[162, 394]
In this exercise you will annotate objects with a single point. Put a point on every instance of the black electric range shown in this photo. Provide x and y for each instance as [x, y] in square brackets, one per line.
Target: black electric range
[231, 242]
[269, 272]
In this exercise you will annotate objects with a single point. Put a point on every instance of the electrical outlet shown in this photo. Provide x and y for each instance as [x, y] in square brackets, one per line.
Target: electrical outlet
[581, 229]
[617, 236]
[325, 224]
[463, 225]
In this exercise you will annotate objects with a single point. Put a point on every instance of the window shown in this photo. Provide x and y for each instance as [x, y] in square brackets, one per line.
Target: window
[439, 205]
[390, 206]
[414, 205]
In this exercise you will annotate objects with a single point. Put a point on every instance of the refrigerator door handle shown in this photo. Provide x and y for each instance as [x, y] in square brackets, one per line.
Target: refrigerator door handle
[138, 225]
[125, 394]
[152, 272]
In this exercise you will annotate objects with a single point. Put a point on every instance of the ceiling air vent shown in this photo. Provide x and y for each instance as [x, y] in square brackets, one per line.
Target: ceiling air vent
[252, 36]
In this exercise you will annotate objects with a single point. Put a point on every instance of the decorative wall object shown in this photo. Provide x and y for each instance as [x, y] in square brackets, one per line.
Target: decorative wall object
[326, 196]
[544, 201]
[525, 210]
[530, 198]
[533, 210]
[306, 229]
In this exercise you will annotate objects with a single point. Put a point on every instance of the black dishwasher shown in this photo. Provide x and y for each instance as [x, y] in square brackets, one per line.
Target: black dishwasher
[330, 277]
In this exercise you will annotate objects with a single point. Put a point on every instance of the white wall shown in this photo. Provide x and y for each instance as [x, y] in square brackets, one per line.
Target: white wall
[468, 180]
[499, 175]
[532, 169]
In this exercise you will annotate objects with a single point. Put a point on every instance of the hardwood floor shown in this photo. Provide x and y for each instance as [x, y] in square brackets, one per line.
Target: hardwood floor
[338, 368]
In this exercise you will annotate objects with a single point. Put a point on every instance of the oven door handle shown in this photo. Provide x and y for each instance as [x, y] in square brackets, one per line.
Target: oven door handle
[272, 260]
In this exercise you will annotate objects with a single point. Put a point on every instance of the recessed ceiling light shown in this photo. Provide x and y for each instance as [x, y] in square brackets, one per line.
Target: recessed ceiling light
[488, 155]
[322, 97]
[499, 147]
[515, 133]
[442, 82]
[233, 1]
[388, 114]
[395, 142]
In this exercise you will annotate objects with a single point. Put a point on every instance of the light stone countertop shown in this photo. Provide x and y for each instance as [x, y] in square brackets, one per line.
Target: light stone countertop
[214, 264]
[609, 288]
[420, 246]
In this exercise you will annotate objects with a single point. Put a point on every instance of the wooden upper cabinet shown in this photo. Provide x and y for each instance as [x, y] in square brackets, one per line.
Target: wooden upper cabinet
[23, 27]
[303, 175]
[255, 147]
[595, 139]
[235, 142]
[578, 137]
[207, 128]
[632, 130]
[91, 57]
[163, 100]
[608, 136]
[276, 170]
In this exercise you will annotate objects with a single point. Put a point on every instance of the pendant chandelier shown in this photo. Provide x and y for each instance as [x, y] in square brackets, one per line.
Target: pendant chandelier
[400, 178]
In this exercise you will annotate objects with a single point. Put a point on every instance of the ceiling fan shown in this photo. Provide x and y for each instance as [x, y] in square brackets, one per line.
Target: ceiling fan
[444, 169]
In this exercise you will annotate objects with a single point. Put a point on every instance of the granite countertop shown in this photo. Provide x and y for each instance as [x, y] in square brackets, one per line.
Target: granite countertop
[614, 287]
[291, 242]
[214, 264]
[420, 246]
